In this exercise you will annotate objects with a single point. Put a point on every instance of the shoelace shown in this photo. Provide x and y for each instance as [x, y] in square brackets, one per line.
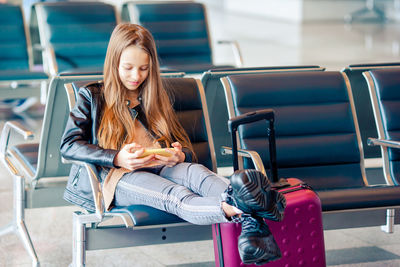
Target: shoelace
[229, 199]
[251, 224]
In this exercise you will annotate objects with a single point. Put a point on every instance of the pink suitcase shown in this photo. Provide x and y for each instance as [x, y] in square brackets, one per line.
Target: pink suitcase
[299, 235]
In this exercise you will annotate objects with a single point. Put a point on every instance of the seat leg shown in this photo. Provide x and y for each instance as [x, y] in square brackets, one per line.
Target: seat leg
[78, 241]
[26, 240]
[380, 13]
[389, 227]
[18, 222]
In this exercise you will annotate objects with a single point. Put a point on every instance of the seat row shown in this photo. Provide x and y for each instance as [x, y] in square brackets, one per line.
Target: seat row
[73, 36]
[215, 97]
[318, 141]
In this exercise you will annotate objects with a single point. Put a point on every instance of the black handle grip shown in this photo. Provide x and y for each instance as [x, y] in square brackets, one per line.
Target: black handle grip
[249, 117]
[263, 114]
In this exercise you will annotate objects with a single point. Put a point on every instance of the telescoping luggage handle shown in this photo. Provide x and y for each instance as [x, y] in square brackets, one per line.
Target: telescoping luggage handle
[263, 114]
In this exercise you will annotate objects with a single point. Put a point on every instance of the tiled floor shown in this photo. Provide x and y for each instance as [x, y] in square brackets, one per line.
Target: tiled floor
[263, 43]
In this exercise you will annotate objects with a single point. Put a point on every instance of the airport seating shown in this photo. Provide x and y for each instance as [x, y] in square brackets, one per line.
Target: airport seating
[144, 225]
[17, 80]
[39, 176]
[215, 97]
[318, 141]
[364, 13]
[73, 36]
[363, 105]
[384, 85]
[180, 29]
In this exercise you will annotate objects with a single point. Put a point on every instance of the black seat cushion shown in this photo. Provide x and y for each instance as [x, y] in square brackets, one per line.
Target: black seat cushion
[316, 139]
[360, 198]
[145, 215]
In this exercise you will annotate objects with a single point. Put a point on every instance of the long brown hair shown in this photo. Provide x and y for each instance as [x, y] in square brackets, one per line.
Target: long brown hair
[116, 126]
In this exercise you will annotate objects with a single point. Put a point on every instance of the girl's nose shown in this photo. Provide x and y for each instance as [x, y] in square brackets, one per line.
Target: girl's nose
[135, 73]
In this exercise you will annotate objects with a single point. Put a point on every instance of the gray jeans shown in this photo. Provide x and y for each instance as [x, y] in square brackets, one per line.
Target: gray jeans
[188, 190]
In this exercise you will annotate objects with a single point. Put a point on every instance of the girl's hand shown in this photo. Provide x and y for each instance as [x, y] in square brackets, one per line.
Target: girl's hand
[177, 156]
[128, 157]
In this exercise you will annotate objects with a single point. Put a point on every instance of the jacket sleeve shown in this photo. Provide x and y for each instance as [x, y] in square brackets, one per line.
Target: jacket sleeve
[77, 141]
[188, 154]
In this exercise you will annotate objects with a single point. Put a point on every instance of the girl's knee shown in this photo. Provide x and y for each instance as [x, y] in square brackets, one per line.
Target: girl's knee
[197, 166]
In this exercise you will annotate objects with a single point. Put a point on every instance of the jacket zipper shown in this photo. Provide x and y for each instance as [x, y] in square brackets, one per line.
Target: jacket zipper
[75, 180]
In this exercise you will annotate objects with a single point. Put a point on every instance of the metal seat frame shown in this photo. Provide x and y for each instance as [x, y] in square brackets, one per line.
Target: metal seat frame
[45, 186]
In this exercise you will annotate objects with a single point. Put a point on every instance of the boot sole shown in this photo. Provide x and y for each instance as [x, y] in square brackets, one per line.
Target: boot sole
[257, 255]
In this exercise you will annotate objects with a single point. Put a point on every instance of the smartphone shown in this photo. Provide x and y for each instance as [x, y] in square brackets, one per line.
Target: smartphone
[159, 151]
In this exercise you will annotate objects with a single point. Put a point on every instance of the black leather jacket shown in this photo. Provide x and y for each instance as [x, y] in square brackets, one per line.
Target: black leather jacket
[80, 143]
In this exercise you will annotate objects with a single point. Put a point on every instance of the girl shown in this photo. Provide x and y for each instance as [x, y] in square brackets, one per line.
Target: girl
[115, 120]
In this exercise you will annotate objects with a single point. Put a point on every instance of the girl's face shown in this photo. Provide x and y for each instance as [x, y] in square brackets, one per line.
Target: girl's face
[133, 67]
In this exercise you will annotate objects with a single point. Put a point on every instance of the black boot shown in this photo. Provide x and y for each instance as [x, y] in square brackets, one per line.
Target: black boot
[256, 243]
[250, 191]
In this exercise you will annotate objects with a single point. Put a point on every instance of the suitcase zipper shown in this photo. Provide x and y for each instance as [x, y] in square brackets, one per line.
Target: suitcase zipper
[295, 187]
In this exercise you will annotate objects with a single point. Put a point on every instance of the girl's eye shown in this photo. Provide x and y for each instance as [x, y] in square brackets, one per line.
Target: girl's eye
[127, 68]
[144, 68]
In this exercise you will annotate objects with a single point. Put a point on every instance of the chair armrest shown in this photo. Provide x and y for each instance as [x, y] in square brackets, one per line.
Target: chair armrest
[236, 51]
[95, 185]
[255, 157]
[50, 65]
[383, 142]
[16, 127]
[38, 47]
